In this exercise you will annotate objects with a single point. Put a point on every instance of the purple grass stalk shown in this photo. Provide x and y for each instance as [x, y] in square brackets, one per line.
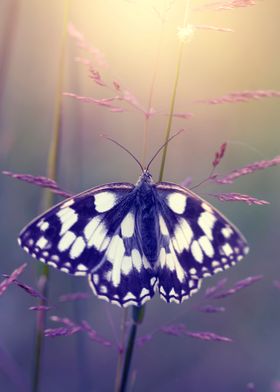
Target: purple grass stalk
[62, 331]
[240, 285]
[43, 182]
[211, 309]
[210, 336]
[227, 5]
[212, 291]
[233, 196]
[52, 169]
[10, 368]
[40, 308]
[9, 279]
[248, 169]
[74, 297]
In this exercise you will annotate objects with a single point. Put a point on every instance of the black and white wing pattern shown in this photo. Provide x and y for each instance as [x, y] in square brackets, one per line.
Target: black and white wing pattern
[94, 234]
[196, 241]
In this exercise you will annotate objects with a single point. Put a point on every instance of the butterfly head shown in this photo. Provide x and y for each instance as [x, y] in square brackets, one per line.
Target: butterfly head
[145, 177]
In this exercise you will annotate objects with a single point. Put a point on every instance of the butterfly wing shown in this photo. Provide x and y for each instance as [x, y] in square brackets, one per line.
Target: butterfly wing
[94, 233]
[196, 241]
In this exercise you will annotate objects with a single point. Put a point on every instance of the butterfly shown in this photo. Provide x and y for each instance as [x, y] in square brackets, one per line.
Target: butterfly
[135, 240]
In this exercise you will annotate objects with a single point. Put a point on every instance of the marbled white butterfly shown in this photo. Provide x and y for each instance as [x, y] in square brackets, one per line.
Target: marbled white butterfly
[134, 240]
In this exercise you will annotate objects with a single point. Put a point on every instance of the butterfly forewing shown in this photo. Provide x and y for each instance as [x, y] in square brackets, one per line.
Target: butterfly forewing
[196, 242]
[73, 235]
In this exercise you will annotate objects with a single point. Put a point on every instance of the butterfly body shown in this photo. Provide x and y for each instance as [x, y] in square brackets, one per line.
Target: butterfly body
[134, 240]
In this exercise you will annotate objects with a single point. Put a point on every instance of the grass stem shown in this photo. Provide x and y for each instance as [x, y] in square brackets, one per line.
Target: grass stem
[52, 170]
[138, 312]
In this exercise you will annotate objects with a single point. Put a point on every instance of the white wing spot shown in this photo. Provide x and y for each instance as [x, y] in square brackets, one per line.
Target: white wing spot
[191, 283]
[77, 248]
[52, 264]
[64, 269]
[162, 226]
[144, 292]
[44, 226]
[169, 262]
[206, 222]
[68, 203]
[136, 259]
[215, 264]
[95, 279]
[227, 249]
[42, 242]
[66, 241]
[129, 296]
[91, 227]
[177, 202]
[115, 250]
[227, 232]
[68, 218]
[178, 240]
[187, 232]
[206, 246]
[206, 207]
[127, 225]
[98, 237]
[82, 267]
[162, 291]
[126, 265]
[172, 263]
[196, 252]
[104, 201]
[162, 257]
[115, 255]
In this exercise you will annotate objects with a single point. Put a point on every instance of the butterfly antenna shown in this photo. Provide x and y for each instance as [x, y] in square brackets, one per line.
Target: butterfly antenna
[159, 150]
[124, 148]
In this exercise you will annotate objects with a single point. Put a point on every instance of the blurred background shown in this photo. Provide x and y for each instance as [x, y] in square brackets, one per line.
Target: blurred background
[125, 37]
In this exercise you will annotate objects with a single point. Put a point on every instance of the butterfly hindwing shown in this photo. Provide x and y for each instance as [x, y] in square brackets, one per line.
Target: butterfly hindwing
[126, 277]
[196, 242]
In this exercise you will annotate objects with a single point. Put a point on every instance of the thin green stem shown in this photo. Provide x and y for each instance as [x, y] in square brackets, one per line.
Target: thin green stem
[52, 169]
[137, 319]
[174, 93]
[121, 351]
[151, 95]
[7, 41]
[138, 312]
[171, 112]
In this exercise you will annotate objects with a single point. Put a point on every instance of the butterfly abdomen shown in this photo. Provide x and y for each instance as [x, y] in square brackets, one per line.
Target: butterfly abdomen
[148, 222]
